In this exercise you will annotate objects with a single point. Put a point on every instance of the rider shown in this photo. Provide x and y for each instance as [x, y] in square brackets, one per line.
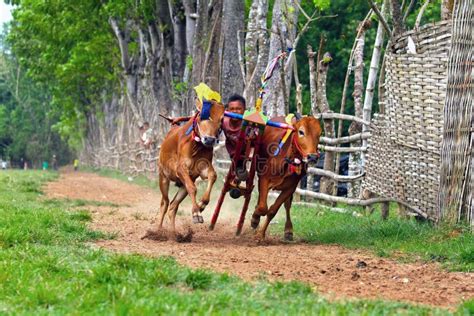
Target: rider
[231, 127]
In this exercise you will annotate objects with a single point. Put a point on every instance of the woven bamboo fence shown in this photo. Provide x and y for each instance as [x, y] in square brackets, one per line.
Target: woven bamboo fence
[131, 159]
[410, 152]
[457, 159]
[404, 160]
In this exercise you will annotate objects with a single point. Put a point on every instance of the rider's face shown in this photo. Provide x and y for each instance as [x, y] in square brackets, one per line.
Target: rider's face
[235, 107]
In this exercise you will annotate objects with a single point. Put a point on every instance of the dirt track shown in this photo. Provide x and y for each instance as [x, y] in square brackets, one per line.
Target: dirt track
[332, 270]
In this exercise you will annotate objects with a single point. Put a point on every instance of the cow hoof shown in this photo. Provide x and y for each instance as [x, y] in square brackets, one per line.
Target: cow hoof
[202, 206]
[254, 222]
[197, 219]
[260, 240]
[288, 236]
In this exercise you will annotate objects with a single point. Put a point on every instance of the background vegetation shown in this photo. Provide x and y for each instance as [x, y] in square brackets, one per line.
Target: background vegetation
[60, 63]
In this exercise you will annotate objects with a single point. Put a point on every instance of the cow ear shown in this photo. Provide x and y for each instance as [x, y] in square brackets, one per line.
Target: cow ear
[198, 104]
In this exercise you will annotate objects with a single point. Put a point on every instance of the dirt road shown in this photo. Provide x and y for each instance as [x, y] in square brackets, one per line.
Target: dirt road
[331, 270]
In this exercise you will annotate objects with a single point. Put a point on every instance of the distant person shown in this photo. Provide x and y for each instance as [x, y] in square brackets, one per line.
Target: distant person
[147, 136]
[25, 165]
[4, 165]
[45, 165]
[54, 163]
[76, 164]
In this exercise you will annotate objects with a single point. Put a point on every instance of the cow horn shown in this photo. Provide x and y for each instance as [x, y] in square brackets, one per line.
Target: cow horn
[298, 116]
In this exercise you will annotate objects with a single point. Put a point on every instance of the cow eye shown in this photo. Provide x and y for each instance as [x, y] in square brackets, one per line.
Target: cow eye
[301, 132]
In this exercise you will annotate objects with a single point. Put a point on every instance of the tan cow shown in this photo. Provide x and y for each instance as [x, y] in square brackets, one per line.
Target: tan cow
[185, 155]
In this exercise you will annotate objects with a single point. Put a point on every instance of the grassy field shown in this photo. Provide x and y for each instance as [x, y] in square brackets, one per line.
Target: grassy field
[406, 240]
[453, 247]
[49, 266]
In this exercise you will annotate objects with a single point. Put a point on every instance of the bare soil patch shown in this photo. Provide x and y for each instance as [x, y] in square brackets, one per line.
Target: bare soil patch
[332, 270]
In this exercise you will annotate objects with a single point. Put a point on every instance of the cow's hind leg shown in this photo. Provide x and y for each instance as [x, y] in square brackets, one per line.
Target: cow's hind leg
[272, 211]
[262, 208]
[288, 224]
[164, 184]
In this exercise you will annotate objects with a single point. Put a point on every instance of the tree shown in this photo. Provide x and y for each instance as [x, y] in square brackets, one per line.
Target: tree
[232, 80]
[26, 118]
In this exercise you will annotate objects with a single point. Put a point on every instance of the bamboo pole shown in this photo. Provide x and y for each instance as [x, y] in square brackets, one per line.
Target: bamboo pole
[345, 139]
[344, 93]
[374, 67]
[358, 202]
[355, 158]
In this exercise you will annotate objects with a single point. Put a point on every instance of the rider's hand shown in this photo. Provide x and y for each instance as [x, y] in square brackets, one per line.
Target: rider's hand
[175, 121]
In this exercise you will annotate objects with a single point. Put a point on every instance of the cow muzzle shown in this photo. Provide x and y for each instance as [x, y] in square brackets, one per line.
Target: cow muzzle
[313, 158]
[209, 141]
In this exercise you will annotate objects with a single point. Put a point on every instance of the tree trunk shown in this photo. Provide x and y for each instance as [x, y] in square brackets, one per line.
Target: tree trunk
[206, 63]
[233, 22]
[255, 49]
[326, 185]
[285, 14]
[180, 49]
[354, 158]
[397, 18]
[447, 9]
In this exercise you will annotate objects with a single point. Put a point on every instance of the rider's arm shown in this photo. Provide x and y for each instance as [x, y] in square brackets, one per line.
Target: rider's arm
[177, 120]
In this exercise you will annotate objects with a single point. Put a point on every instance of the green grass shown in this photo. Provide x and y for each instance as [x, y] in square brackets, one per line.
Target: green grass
[404, 239]
[48, 267]
[79, 203]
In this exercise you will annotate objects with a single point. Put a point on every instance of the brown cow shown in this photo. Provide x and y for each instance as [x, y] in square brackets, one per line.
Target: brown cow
[185, 155]
[284, 171]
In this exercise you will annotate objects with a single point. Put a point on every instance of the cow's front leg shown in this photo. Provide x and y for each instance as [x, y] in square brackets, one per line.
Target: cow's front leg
[211, 176]
[288, 224]
[185, 177]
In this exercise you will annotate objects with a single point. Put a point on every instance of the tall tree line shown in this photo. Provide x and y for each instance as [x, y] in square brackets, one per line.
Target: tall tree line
[27, 118]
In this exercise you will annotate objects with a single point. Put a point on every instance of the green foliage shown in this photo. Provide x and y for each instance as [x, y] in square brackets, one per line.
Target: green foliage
[322, 4]
[432, 13]
[66, 46]
[26, 118]
[189, 62]
[453, 247]
[340, 32]
[179, 90]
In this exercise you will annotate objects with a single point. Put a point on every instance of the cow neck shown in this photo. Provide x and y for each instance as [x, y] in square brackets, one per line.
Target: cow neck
[294, 157]
[196, 143]
[293, 150]
[193, 129]
[298, 148]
